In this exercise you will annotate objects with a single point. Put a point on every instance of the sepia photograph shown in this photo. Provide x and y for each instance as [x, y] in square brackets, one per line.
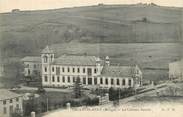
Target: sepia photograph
[103, 58]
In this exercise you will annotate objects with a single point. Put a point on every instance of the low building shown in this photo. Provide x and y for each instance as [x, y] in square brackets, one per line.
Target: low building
[32, 65]
[10, 102]
[176, 70]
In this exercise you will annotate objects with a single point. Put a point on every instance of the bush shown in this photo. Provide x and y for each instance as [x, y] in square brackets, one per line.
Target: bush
[115, 94]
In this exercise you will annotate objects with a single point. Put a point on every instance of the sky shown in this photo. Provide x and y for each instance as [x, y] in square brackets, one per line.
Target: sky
[8, 5]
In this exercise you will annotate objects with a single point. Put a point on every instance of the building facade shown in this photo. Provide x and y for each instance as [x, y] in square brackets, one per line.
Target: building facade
[10, 102]
[176, 70]
[32, 65]
[92, 71]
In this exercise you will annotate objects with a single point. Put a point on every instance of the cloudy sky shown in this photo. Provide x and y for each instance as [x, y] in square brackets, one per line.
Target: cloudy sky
[8, 5]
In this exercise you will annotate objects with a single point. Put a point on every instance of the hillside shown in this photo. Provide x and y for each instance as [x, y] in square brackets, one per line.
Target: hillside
[26, 31]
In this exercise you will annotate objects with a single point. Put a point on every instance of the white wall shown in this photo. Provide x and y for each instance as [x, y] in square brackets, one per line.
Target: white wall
[8, 104]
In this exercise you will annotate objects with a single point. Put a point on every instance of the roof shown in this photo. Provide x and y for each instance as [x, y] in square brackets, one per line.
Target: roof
[76, 60]
[118, 71]
[31, 59]
[6, 94]
[47, 50]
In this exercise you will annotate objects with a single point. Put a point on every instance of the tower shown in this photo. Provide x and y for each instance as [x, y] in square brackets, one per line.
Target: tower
[98, 65]
[107, 61]
[47, 57]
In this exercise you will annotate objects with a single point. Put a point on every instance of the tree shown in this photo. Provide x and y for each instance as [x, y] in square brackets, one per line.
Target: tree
[77, 88]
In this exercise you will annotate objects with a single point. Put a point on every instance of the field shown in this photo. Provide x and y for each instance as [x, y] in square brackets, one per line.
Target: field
[26, 31]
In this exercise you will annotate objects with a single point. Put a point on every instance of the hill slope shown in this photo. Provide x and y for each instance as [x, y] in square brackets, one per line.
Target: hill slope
[26, 31]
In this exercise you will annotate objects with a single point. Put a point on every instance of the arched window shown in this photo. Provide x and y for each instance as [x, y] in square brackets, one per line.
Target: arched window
[45, 59]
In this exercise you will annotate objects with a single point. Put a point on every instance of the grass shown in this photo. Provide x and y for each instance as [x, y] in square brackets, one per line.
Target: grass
[25, 32]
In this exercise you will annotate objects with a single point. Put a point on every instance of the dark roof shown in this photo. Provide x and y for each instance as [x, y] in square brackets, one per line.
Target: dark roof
[118, 71]
[76, 60]
[6, 94]
[47, 50]
[31, 59]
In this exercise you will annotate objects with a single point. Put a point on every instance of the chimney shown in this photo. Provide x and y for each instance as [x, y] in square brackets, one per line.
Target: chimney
[107, 61]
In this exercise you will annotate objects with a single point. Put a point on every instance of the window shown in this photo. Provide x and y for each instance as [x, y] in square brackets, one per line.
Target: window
[89, 71]
[106, 81]
[11, 100]
[51, 58]
[68, 69]
[123, 82]
[28, 71]
[58, 79]
[101, 81]
[4, 102]
[117, 81]
[4, 110]
[53, 69]
[112, 81]
[34, 65]
[58, 70]
[27, 65]
[17, 99]
[78, 79]
[95, 81]
[83, 70]
[68, 78]
[73, 79]
[53, 79]
[78, 70]
[63, 79]
[11, 109]
[90, 81]
[45, 78]
[45, 59]
[84, 80]
[129, 82]
[95, 70]
[73, 70]
[63, 70]
[17, 106]
[45, 69]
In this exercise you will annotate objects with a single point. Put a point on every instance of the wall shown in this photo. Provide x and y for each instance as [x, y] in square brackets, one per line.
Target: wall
[8, 104]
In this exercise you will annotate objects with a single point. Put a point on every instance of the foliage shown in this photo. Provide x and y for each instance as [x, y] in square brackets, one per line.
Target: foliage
[115, 94]
[77, 88]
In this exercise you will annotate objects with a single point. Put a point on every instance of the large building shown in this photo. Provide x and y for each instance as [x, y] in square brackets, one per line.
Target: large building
[176, 70]
[92, 71]
[10, 102]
